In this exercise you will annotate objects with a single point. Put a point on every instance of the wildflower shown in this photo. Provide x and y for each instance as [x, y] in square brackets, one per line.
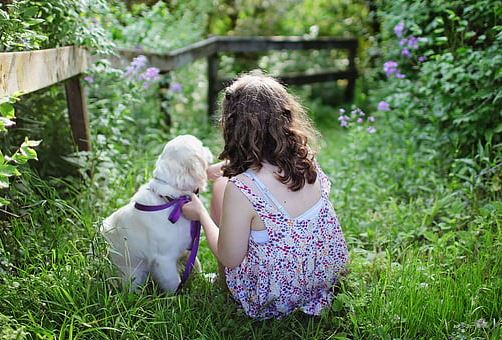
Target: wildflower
[343, 118]
[399, 28]
[390, 68]
[360, 120]
[344, 123]
[413, 42]
[139, 61]
[150, 74]
[342, 111]
[405, 52]
[371, 129]
[371, 119]
[136, 64]
[175, 87]
[403, 42]
[422, 58]
[400, 75]
[89, 79]
[382, 106]
[481, 323]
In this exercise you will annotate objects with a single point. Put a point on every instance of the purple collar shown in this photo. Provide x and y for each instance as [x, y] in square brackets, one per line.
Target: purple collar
[173, 218]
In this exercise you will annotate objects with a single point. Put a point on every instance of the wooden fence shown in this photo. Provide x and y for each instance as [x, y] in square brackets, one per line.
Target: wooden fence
[30, 71]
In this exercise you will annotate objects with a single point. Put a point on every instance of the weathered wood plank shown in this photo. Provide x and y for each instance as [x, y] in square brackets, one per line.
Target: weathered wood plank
[260, 44]
[299, 79]
[172, 60]
[34, 70]
[180, 57]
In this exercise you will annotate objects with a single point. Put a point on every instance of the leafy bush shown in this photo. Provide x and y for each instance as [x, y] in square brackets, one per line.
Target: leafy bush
[32, 25]
[449, 53]
[158, 28]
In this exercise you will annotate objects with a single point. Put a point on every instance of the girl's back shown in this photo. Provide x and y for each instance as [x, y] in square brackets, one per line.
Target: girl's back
[296, 248]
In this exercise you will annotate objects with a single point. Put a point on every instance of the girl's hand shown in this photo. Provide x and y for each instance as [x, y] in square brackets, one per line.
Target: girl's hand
[214, 171]
[194, 209]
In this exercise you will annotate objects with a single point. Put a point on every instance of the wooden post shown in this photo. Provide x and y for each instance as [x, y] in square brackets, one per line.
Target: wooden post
[351, 85]
[212, 77]
[77, 111]
[164, 96]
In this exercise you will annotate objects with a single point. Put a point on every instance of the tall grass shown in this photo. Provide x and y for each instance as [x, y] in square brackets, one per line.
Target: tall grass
[425, 258]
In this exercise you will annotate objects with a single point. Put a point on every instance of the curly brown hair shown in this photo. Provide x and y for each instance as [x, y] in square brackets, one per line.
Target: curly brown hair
[262, 122]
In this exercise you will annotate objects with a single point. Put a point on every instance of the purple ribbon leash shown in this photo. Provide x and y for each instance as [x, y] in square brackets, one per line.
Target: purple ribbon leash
[173, 218]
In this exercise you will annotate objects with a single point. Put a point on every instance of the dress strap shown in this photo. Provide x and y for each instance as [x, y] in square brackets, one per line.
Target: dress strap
[253, 198]
[324, 180]
[265, 192]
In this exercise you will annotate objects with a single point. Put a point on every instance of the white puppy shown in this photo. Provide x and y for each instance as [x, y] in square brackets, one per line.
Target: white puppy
[147, 242]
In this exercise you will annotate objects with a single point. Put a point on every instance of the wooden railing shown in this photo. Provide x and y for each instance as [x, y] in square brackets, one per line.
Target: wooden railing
[30, 71]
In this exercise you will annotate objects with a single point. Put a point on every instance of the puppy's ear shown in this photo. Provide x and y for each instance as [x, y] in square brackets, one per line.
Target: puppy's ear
[196, 168]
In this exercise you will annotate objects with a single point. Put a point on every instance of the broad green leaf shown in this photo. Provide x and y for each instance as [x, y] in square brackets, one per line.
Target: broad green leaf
[7, 110]
[30, 11]
[19, 158]
[8, 170]
[28, 152]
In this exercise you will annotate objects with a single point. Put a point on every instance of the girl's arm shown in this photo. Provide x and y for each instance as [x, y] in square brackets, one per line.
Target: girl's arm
[229, 242]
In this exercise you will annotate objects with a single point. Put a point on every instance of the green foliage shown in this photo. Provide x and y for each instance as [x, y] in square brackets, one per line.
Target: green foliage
[9, 165]
[159, 28]
[32, 25]
[457, 90]
[422, 219]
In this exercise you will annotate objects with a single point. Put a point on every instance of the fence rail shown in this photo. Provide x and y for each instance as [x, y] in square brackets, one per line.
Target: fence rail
[33, 70]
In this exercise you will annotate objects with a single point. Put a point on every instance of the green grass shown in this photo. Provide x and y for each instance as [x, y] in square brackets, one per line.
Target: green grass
[425, 258]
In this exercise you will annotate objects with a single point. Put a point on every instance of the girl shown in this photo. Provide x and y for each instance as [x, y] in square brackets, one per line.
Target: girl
[278, 237]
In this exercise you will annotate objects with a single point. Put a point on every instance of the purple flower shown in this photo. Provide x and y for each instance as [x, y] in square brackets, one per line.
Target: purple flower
[175, 87]
[405, 52]
[343, 118]
[390, 67]
[382, 106]
[371, 119]
[150, 74]
[360, 120]
[413, 42]
[342, 111]
[400, 75]
[89, 79]
[422, 58]
[371, 129]
[403, 42]
[344, 123]
[139, 61]
[136, 64]
[398, 29]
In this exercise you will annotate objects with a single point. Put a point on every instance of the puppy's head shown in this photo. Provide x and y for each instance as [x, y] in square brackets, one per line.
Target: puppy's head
[181, 168]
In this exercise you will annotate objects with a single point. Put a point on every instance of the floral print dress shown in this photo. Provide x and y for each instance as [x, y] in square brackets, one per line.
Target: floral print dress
[294, 262]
